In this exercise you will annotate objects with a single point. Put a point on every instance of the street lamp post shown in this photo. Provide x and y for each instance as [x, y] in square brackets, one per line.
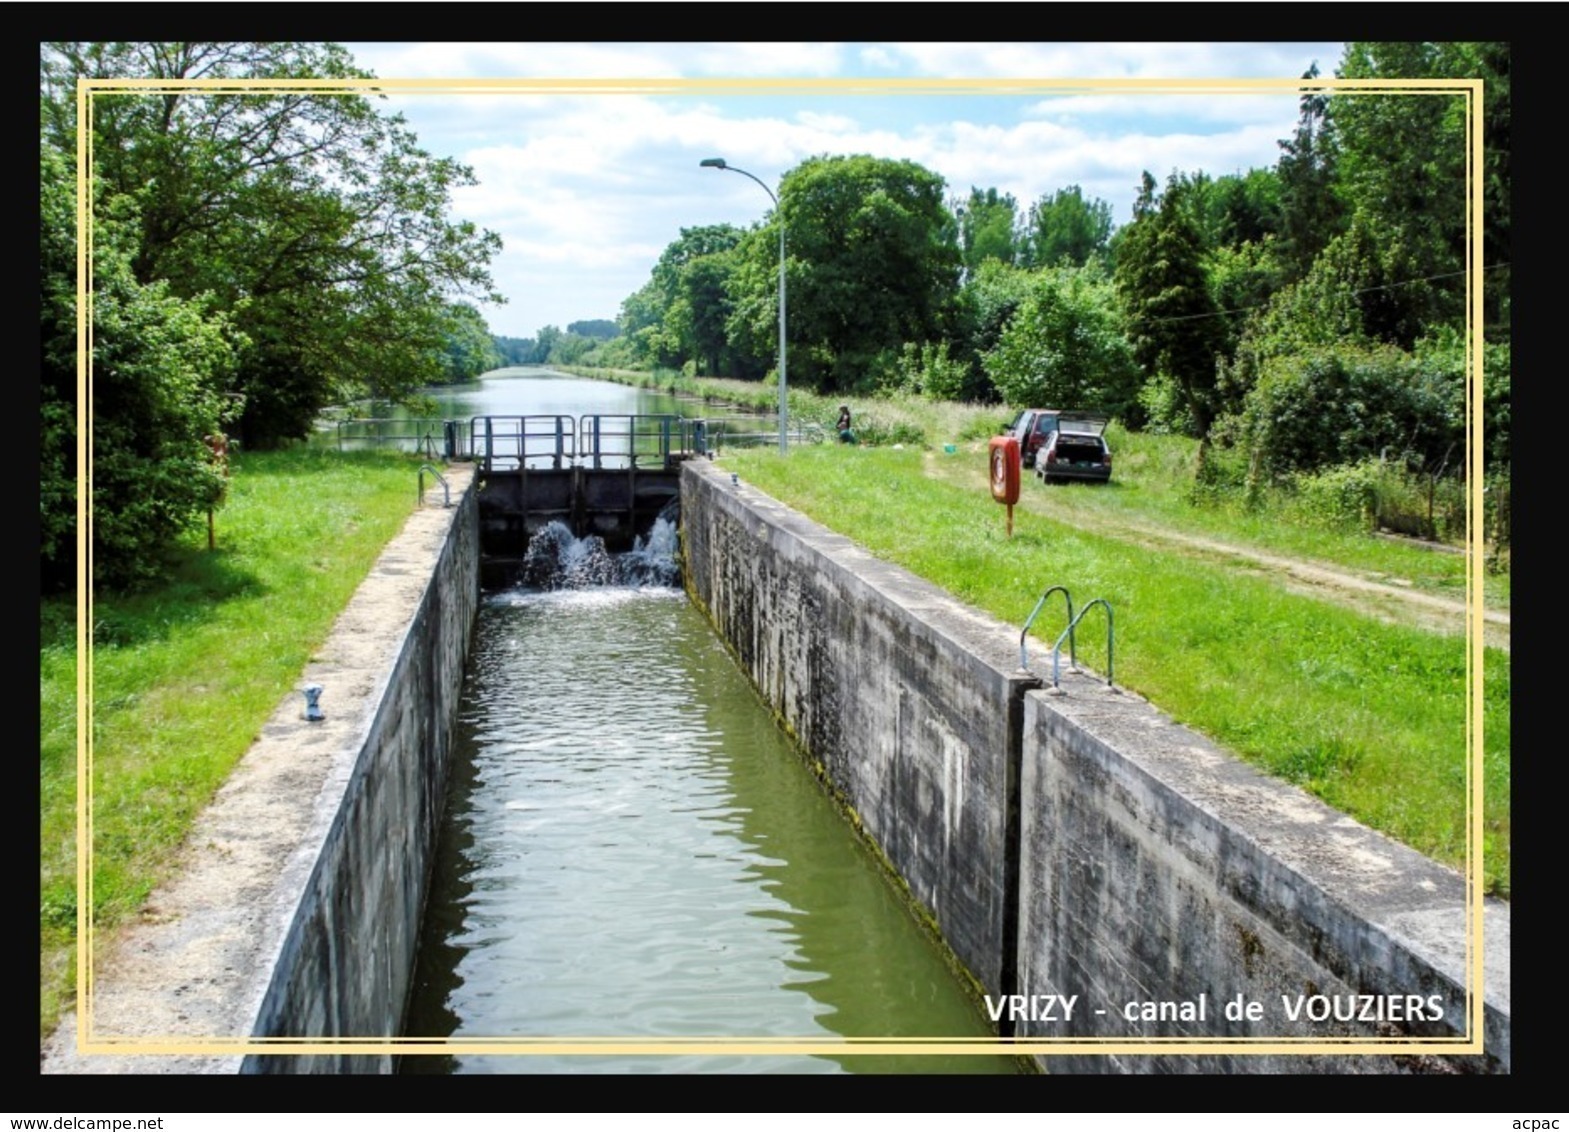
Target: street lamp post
[784, 409]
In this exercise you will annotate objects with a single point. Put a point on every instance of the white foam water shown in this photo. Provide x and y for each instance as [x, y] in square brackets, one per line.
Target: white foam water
[558, 560]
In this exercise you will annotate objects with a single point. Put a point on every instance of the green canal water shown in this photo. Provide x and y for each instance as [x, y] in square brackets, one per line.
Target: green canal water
[634, 849]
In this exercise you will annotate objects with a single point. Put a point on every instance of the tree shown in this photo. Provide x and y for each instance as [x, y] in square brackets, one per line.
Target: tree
[602, 328]
[159, 365]
[1161, 279]
[682, 312]
[315, 221]
[1065, 347]
[469, 349]
[988, 223]
[873, 264]
[1065, 228]
[1311, 212]
[1401, 162]
[988, 302]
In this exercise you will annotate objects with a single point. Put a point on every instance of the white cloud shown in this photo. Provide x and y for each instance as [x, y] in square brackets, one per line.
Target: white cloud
[1115, 60]
[587, 190]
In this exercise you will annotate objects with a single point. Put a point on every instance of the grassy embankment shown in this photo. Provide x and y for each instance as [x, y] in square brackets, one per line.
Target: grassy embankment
[184, 676]
[1368, 715]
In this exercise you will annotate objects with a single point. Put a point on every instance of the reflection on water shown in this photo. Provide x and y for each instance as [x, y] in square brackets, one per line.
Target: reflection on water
[543, 392]
[633, 849]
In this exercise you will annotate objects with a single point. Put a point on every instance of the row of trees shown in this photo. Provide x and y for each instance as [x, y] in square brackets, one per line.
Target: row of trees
[256, 256]
[1327, 290]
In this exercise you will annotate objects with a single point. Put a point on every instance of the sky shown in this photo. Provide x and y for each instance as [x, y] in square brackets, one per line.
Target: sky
[587, 188]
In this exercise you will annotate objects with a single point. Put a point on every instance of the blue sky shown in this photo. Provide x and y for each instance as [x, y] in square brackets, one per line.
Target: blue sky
[587, 189]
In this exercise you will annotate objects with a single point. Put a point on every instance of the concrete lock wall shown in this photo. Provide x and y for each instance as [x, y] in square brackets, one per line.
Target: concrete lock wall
[1158, 869]
[346, 963]
[295, 908]
[878, 675]
[1075, 841]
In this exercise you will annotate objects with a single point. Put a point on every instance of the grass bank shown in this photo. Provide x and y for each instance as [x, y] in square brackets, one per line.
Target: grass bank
[1369, 716]
[184, 675]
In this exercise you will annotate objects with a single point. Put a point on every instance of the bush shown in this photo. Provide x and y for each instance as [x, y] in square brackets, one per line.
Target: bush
[1345, 404]
[926, 369]
[1164, 407]
[1220, 478]
[869, 430]
[1342, 496]
[1420, 505]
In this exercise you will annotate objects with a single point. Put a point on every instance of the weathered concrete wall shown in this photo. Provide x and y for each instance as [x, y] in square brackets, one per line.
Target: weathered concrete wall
[296, 903]
[346, 964]
[909, 700]
[1158, 868]
[1076, 842]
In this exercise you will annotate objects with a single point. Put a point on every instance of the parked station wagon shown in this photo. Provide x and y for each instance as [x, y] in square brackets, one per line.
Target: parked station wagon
[1073, 455]
[1032, 427]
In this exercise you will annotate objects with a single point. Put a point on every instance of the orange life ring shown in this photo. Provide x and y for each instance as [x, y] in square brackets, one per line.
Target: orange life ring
[1005, 469]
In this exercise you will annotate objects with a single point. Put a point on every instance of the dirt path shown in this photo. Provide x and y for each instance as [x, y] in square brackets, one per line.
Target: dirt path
[1386, 600]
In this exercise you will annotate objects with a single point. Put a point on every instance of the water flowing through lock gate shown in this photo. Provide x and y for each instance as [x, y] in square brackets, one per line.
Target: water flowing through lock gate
[632, 848]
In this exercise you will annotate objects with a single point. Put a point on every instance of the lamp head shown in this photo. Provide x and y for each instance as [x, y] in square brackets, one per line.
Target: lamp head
[712, 163]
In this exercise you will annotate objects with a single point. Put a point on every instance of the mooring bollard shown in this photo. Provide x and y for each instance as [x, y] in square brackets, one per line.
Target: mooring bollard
[312, 706]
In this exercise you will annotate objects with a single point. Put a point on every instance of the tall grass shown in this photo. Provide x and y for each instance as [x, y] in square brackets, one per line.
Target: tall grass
[184, 675]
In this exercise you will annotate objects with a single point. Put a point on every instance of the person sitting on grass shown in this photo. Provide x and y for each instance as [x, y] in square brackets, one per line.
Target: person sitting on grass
[846, 434]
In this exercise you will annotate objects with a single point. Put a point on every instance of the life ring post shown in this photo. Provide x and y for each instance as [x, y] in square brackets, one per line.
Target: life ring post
[1005, 473]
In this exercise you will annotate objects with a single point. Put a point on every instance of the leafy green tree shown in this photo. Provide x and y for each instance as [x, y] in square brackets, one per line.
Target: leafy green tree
[513, 351]
[705, 298]
[1311, 211]
[1173, 321]
[314, 220]
[1066, 348]
[469, 349]
[989, 300]
[1065, 228]
[157, 374]
[544, 344]
[601, 328]
[873, 264]
[570, 349]
[988, 228]
[682, 312]
[1401, 163]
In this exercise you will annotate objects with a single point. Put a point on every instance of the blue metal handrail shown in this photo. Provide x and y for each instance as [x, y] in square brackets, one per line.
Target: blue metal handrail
[1057, 648]
[631, 439]
[446, 492]
[594, 440]
[1024, 662]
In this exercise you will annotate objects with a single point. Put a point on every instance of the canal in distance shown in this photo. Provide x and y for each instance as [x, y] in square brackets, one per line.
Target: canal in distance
[632, 848]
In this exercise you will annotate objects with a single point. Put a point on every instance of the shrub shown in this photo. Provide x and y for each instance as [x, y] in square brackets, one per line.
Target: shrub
[1343, 496]
[927, 369]
[1341, 405]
